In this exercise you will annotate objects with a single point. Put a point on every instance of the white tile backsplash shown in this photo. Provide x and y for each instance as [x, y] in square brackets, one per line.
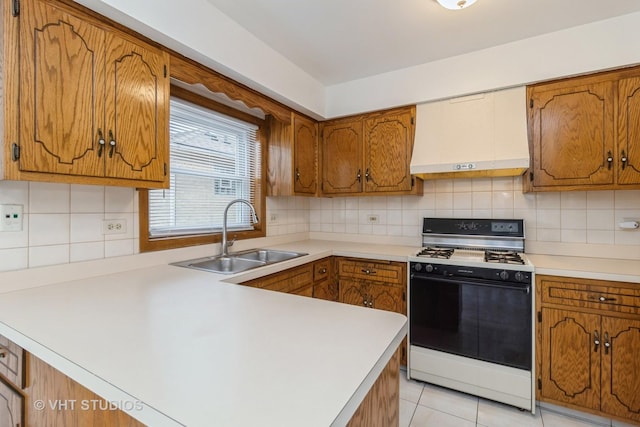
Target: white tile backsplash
[63, 223]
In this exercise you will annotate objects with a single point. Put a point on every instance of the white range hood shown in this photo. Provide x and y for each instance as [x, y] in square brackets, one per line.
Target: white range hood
[477, 135]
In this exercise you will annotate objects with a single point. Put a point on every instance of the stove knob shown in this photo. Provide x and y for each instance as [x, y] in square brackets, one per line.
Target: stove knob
[428, 268]
[520, 276]
[417, 267]
[504, 275]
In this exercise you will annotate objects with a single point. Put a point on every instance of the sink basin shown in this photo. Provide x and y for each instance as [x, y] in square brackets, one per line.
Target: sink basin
[268, 256]
[239, 261]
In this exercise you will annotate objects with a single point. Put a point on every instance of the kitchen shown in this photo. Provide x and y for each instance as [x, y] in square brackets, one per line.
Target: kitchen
[60, 219]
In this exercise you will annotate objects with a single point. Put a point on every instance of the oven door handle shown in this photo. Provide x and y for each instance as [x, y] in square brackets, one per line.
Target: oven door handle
[465, 281]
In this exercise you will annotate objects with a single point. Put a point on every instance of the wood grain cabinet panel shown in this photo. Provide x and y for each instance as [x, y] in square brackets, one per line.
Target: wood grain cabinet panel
[93, 102]
[588, 341]
[374, 284]
[292, 161]
[11, 406]
[369, 154]
[584, 132]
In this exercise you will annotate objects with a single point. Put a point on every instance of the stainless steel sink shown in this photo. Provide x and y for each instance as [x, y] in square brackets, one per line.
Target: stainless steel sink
[239, 261]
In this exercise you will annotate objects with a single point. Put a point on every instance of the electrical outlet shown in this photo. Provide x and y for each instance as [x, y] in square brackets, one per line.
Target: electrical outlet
[373, 219]
[11, 217]
[273, 218]
[114, 226]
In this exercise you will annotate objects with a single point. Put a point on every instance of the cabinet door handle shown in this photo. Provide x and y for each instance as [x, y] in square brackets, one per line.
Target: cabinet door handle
[602, 298]
[609, 160]
[596, 341]
[623, 159]
[3, 352]
[607, 344]
[322, 270]
[367, 175]
[364, 301]
[112, 143]
[359, 175]
[371, 301]
[367, 271]
[297, 174]
[100, 142]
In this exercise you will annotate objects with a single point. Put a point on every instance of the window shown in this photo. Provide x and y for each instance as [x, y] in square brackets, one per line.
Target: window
[215, 158]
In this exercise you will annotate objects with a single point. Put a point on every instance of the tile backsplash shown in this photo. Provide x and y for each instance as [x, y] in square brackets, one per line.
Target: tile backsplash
[63, 223]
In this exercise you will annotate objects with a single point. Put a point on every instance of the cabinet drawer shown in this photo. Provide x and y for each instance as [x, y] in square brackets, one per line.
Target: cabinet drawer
[12, 362]
[376, 271]
[289, 281]
[610, 296]
[321, 270]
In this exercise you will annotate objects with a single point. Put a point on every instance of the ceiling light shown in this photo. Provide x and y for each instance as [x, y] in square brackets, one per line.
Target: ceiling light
[456, 4]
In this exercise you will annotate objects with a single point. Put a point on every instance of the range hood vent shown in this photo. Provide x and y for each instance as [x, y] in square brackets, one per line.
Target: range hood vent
[472, 136]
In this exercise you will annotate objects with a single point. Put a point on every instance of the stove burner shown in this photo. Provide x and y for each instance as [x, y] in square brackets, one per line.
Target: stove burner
[504, 257]
[436, 252]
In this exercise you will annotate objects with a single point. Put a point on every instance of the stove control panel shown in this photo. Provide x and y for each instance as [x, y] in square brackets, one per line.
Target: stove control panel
[453, 271]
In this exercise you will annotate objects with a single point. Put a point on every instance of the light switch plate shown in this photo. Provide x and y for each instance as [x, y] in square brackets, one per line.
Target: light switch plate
[11, 217]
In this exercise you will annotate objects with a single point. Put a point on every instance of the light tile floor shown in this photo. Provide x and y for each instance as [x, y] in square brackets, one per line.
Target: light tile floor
[427, 405]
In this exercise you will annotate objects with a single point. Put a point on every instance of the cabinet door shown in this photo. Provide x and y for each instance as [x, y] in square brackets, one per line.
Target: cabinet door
[137, 104]
[342, 158]
[570, 358]
[327, 290]
[621, 367]
[388, 145]
[628, 131]
[572, 131]
[61, 91]
[11, 406]
[305, 155]
[352, 292]
[385, 297]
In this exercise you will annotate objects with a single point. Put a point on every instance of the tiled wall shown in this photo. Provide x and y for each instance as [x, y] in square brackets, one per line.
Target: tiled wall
[583, 218]
[63, 223]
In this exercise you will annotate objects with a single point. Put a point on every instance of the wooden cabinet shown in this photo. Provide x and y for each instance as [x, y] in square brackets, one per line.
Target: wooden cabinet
[12, 377]
[374, 284]
[588, 342]
[369, 154]
[93, 101]
[293, 157]
[584, 132]
[296, 280]
[325, 286]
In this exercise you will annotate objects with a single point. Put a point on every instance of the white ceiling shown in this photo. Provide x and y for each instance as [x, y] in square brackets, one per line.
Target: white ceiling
[341, 40]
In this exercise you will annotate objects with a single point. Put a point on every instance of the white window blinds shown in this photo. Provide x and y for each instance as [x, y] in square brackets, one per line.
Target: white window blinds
[214, 160]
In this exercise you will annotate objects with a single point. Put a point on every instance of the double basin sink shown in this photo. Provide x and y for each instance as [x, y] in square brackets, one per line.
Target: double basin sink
[239, 261]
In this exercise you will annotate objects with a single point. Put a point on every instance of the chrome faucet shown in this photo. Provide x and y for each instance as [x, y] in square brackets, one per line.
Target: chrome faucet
[226, 244]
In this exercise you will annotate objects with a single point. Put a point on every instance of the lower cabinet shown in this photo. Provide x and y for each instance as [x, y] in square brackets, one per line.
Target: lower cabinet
[589, 345]
[34, 394]
[325, 285]
[374, 284]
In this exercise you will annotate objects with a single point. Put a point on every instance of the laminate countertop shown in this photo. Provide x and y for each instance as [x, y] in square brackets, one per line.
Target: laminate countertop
[191, 349]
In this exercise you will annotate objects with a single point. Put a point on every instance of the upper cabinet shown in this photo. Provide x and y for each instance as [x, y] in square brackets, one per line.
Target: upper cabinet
[93, 101]
[293, 157]
[584, 133]
[369, 154]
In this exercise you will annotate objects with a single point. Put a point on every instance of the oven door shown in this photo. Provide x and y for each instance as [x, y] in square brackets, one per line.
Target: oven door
[481, 319]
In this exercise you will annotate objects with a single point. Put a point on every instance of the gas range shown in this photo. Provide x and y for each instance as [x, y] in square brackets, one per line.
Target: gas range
[486, 243]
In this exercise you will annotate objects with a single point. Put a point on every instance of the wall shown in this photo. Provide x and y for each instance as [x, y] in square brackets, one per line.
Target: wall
[568, 223]
[63, 223]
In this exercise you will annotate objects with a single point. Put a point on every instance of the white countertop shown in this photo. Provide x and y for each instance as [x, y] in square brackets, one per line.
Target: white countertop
[199, 352]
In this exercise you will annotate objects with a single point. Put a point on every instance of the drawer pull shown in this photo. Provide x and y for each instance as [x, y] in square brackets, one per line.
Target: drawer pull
[596, 341]
[367, 271]
[607, 344]
[602, 299]
[323, 270]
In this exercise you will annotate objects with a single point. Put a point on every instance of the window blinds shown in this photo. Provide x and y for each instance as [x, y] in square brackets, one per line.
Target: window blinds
[214, 160]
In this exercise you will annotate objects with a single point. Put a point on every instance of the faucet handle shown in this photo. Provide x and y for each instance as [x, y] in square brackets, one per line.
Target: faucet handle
[229, 244]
